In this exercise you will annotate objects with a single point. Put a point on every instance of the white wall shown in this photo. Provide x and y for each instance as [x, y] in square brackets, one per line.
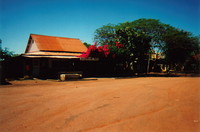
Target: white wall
[33, 47]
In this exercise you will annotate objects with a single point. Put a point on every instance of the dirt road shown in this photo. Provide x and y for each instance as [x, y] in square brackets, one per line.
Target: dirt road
[104, 105]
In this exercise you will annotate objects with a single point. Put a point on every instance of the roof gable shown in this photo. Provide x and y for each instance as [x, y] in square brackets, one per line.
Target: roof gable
[31, 46]
[51, 43]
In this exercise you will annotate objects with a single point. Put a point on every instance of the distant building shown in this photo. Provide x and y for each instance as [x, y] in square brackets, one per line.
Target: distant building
[157, 63]
[155, 56]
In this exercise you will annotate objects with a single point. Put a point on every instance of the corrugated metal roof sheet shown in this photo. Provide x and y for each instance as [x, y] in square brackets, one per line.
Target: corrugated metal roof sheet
[51, 43]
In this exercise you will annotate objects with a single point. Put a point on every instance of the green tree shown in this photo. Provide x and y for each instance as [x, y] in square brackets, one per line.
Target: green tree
[137, 45]
[180, 46]
[5, 56]
[86, 44]
[105, 35]
[152, 28]
[177, 45]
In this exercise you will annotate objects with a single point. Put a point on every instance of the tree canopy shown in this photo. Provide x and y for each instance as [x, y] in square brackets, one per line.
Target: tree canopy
[105, 34]
[5, 53]
[179, 46]
[142, 36]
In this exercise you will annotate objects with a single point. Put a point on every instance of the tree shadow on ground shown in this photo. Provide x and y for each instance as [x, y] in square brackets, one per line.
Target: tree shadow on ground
[170, 75]
[161, 75]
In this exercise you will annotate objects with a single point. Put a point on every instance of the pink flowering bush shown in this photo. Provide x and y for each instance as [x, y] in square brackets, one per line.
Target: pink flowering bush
[118, 45]
[102, 51]
[94, 51]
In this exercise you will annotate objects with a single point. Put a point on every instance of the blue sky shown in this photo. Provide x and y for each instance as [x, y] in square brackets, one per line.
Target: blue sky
[80, 18]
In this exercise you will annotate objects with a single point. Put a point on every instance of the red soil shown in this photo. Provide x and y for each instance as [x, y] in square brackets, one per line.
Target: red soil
[151, 104]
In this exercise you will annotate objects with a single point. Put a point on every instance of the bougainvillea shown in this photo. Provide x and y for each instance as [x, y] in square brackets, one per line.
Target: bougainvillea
[100, 51]
[106, 50]
[118, 45]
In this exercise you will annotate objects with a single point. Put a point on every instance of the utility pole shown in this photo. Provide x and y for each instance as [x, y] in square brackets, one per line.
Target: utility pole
[1, 67]
[148, 62]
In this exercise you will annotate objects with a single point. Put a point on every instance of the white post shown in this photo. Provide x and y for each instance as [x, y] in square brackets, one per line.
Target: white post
[148, 63]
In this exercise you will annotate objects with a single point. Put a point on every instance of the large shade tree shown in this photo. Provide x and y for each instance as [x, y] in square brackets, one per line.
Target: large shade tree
[180, 47]
[105, 34]
[136, 47]
[151, 27]
[146, 35]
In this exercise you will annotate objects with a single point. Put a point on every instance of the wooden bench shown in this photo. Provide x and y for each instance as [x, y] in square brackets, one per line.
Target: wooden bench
[70, 75]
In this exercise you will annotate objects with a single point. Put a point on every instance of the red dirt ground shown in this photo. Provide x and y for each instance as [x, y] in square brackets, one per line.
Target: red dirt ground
[148, 104]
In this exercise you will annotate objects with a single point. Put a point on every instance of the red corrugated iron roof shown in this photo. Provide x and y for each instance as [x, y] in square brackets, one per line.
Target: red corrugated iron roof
[52, 43]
